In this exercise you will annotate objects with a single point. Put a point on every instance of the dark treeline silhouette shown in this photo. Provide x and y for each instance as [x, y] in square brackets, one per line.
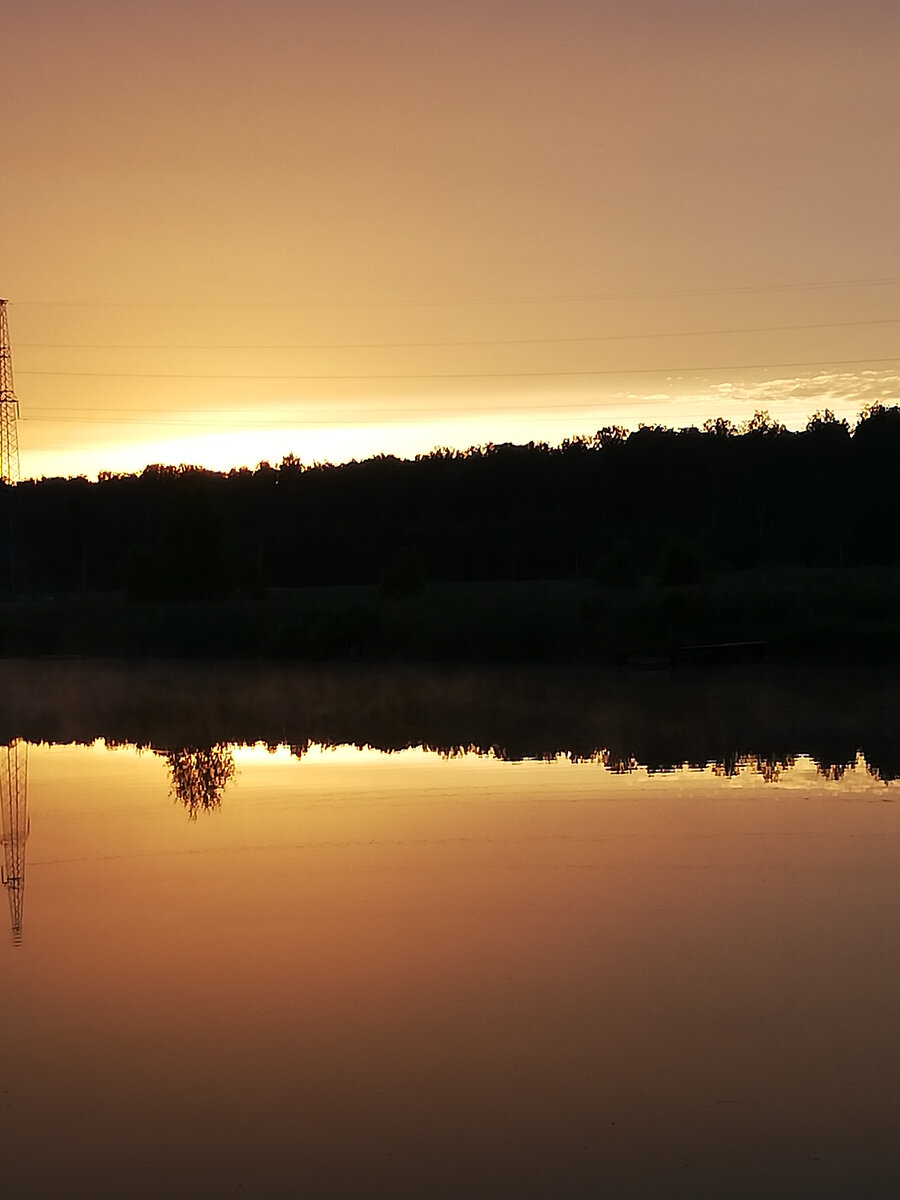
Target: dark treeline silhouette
[615, 508]
[761, 720]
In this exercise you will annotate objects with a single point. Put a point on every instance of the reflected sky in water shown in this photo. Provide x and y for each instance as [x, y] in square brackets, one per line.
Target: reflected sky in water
[408, 974]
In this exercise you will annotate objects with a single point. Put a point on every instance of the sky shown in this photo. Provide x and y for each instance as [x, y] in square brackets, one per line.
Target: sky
[335, 228]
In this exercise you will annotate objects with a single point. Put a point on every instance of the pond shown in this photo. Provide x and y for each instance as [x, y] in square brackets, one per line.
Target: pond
[263, 967]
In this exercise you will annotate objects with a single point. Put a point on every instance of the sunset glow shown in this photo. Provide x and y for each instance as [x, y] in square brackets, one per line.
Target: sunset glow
[239, 231]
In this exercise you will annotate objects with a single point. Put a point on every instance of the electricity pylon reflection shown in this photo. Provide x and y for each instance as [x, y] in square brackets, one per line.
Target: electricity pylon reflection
[14, 810]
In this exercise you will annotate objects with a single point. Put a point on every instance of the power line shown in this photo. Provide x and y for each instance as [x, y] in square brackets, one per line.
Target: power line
[554, 341]
[744, 289]
[424, 375]
[216, 419]
[216, 424]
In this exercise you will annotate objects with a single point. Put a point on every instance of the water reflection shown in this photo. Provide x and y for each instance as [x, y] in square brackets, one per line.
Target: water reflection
[15, 825]
[598, 978]
[767, 715]
[200, 776]
[770, 767]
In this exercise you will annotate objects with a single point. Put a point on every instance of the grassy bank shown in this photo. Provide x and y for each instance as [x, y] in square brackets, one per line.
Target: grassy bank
[851, 615]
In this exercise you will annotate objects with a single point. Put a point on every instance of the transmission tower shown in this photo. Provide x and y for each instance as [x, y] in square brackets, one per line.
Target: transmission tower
[14, 811]
[9, 408]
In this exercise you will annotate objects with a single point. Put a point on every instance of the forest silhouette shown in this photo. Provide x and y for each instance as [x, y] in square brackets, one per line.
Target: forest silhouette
[615, 512]
[191, 714]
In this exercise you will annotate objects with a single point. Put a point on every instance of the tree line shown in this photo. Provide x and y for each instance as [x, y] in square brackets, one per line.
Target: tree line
[616, 507]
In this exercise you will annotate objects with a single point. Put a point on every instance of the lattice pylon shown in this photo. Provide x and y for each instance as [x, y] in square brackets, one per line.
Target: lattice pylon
[9, 407]
[15, 826]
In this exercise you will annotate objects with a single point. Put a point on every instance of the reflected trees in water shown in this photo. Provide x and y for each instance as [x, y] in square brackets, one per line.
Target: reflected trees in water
[771, 766]
[883, 758]
[200, 775]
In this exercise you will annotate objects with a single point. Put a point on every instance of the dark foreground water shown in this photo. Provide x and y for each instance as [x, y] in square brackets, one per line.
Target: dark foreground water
[235, 971]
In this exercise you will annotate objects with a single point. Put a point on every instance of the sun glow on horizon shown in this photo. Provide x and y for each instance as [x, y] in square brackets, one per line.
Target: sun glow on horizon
[270, 434]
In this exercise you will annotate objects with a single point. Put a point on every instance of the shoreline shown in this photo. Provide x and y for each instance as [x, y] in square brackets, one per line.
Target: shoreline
[781, 615]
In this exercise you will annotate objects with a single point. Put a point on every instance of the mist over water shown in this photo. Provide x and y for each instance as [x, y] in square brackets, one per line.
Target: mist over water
[655, 719]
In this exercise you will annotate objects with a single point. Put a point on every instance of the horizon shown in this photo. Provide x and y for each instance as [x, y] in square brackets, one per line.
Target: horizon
[738, 429]
[358, 425]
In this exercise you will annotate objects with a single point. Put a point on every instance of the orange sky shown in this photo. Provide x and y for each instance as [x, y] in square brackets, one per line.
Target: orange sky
[235, 230]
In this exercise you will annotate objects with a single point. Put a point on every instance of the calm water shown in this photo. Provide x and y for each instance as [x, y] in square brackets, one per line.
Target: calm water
[245, 972]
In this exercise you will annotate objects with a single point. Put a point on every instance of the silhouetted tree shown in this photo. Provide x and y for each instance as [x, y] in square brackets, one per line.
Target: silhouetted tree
[199, 776]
